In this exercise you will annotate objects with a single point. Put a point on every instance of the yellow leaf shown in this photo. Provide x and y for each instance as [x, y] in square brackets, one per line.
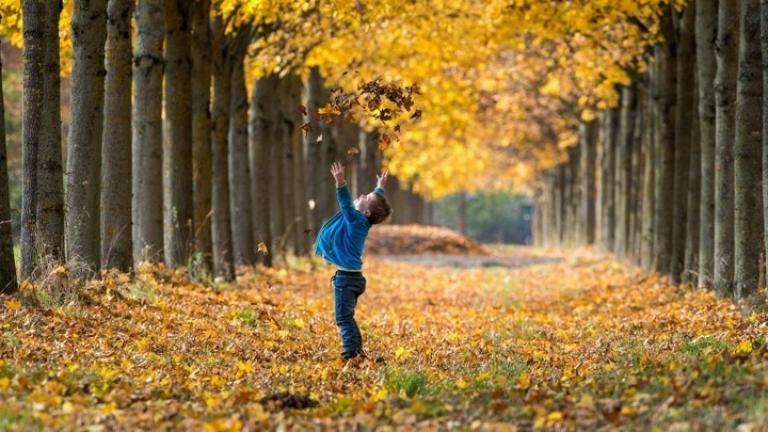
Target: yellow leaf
[555, 417]
[461, 384]
[524, 380]
[401, 353]
[13, 304]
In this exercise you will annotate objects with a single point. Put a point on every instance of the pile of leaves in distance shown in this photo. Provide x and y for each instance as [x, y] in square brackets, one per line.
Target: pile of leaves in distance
[420, 239]
[582, 343]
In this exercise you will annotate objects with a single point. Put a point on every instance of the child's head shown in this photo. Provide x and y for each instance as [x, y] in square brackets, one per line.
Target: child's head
[376, 207]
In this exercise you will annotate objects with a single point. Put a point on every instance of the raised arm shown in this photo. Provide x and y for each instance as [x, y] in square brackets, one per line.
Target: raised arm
[342, 192]
[381, 181]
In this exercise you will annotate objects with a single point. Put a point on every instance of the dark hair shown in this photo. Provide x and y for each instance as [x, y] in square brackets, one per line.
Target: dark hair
[380, 209]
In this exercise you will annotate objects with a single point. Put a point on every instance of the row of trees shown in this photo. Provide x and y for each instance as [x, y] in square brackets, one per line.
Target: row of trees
[168, 158]
[674, 178]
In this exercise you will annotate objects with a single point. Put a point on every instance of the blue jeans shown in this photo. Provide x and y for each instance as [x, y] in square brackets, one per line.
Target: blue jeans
[347, 287]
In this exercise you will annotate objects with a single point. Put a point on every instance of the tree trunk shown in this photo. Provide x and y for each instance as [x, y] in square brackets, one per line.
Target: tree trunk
[201, 131]
[147, 139]
[726, 56]
[301, 233]
[684, 93]
[239, 173]
[289, 114]
[649, 173]
[706, 36]
[636, 179]
[665, 146]
[607, 179]
[221, 228]
[587, 138]
[177, 149]
[116, 244]
[8, 283]
[764, 52]
[89, 33]
[316, 96]
[691, 269]
[747, 160]
[624, 168]
[277, 179]
[50, 182]
[263, 118]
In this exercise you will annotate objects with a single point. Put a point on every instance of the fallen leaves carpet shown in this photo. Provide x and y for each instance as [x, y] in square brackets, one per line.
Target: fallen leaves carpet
[582, 342]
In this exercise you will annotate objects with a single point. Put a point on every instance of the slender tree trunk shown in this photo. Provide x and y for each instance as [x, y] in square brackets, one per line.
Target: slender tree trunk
[239, 173]
[262, 121]
[706, 36]
[316, 97]
[649, 174]
[690, 273]
[50, 182]
[116, 244]
[177, 150]
[683, 124]
[666, 147]
[608, 164]
[89, 33]
[289, 114]
[624, 168]
[32, 131]
[747, 161]
[636, 179]
[8, 282]
[726, 56]
[221, 227]
[147, 139]
[201, 131]
[764, 52]
[301, 233]
[277, 180]
[587, 138]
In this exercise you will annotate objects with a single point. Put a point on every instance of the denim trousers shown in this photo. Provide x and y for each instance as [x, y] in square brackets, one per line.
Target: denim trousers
[347, 287]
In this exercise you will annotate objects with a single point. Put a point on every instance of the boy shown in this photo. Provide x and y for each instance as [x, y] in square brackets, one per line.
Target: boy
[340, 242]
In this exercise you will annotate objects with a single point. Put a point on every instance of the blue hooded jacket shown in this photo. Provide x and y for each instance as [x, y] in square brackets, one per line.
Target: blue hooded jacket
[342, 238]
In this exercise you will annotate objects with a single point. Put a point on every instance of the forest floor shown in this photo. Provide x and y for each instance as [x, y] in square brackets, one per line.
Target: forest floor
[555, 342]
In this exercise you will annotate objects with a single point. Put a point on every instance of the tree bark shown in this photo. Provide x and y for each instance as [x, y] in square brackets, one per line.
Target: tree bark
[201, 131]
[263, 117]
[50, 180]
[221, 227]
[89, 33]
[301, 233]
[316, 96]
[608, 186]
[691, 269]
[684, 93]
[147, 139]
[462, 213]
[31, 124]
[706, 36]
[8, 282]
[239, 173]
[665, 145]
[764, 52]
[649, 173]
[177, 149]
[624, 168]
[587, 138]
[726, 57]
[116, 244]
[747, 160]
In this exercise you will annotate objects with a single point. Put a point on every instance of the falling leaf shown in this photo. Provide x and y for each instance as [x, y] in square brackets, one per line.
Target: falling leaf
[352, 151]
[306, 127]
[303, 109]
[262, 248]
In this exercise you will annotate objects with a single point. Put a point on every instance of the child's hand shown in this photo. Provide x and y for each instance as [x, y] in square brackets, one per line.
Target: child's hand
[381, 179]
[337, 170]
